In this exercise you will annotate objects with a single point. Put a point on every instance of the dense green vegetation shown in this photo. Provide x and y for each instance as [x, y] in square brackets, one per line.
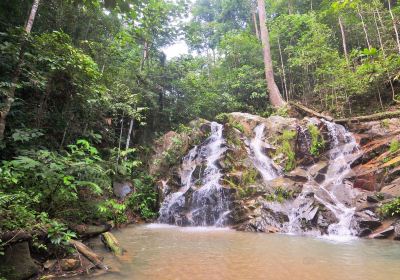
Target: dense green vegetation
[87, 89]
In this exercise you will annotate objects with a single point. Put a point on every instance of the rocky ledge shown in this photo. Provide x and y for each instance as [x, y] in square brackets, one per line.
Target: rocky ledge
[280, 174]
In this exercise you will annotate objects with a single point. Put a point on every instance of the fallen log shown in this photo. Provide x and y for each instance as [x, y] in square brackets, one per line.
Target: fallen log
[89, 254]
[112, 243]
[368, 118]
[88, 231]
[373, 117]
[15, 236]
[308, 111]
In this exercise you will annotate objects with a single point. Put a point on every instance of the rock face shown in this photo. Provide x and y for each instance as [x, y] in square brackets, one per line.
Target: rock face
[122, 189]
[279, 174]
[17, 263]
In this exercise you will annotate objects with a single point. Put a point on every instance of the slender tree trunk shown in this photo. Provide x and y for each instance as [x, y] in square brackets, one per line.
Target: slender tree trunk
[120, 138]
[394, 25]
[32, 16]
[253, 12]
[344, 40]
[384, 52]
[364, 28]
[128, 140]
[274, 94]
[9, 98]
[379, 35]
[283, 71]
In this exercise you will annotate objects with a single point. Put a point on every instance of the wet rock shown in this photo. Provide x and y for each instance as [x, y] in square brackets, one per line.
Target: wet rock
[366, 182]
[373, 198]
[319, 168]
[69, 264]
[17, 263]
[367, 220]
[271, 229]
[396, 227]
[285, 184]
[298, 175]
[393, 189]
[383, 234]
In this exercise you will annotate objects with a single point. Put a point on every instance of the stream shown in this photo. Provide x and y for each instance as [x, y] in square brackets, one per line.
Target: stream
[168, 252]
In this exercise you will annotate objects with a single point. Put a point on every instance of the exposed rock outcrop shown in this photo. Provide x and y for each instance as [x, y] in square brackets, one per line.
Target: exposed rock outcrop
[281, 174]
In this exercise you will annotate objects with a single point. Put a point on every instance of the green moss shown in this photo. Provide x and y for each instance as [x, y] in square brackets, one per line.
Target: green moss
[238, 126]
[280, 195]
[394, 146]
[249, 177]
[223, 118]
[286, 148]
[317, 141]
[385, 123]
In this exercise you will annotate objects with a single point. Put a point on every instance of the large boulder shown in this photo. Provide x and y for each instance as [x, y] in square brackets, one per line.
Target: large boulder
[122, 189]
[17, 263]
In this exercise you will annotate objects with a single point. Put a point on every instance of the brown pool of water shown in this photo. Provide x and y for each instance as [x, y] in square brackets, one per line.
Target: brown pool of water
[162, 252]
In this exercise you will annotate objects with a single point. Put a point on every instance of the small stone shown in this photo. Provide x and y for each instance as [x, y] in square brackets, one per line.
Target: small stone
[69, 264]
[372, 199]
[49, 264]
[271, 229]
[383, 233]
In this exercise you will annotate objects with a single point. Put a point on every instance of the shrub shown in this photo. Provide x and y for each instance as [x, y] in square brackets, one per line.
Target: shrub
[143, 200]
[63, 185]
[391, 209]
[285, 147]
[317, 141]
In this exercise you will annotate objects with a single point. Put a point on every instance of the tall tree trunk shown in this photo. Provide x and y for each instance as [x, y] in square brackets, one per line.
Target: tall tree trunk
[283, 71]
[379, 35]
[128, 139]
[384, 52]
[394, 25]
[364, 28]
[9, 98]
[274, 94]
[253, 12]
[344, 40]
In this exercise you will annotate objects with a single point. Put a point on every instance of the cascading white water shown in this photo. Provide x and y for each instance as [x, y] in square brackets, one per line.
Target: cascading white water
[261, 161]
[340, 158]
[208, 204]
[333, 191]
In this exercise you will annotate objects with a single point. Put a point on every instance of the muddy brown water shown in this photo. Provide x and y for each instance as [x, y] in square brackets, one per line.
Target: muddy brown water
[166, 252]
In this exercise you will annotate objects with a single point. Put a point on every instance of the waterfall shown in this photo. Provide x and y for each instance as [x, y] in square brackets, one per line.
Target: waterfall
[333, 192]
[204, 202]
[261, 161]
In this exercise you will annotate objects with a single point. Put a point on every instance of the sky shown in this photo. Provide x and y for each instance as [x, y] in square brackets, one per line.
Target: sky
[177, 49]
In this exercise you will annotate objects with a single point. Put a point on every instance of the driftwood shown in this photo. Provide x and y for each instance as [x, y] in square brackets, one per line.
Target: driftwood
[112, 243]
[309, 111]
[373, 117]
[89, 254]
